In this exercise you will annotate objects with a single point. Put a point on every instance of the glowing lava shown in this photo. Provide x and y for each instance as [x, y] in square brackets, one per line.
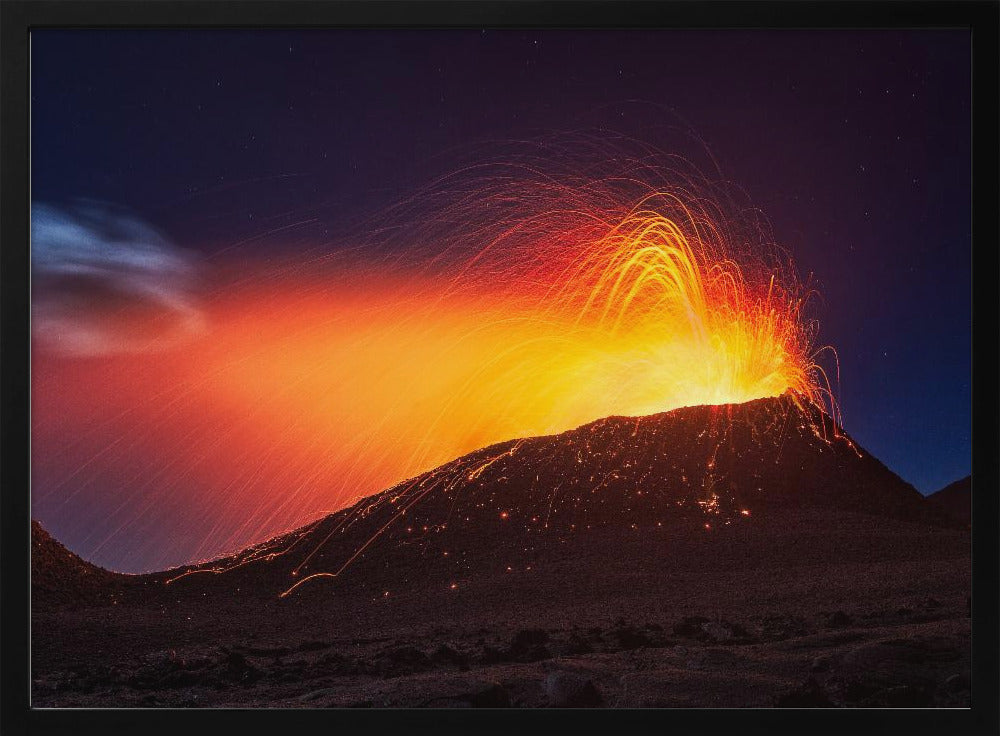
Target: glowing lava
[575, 319]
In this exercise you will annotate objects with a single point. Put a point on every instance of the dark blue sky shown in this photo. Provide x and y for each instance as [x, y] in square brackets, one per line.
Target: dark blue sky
[856, 145]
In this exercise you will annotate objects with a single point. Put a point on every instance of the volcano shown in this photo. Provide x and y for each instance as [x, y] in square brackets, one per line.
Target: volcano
[692, 469]
[531, 571]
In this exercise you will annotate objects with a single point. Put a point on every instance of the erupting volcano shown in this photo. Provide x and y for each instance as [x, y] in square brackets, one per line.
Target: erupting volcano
[462, 367]
[534, 391]
[516, 299]
[603, 387]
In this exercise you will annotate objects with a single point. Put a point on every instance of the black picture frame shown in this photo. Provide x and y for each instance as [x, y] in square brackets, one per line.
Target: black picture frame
[19, 17]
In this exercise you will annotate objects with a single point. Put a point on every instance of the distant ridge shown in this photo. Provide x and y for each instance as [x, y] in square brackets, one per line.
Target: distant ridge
[60, 577]
[955, 500]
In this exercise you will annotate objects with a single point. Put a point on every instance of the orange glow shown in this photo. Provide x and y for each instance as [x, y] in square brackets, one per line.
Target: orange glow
[403, 373]
[313, 389]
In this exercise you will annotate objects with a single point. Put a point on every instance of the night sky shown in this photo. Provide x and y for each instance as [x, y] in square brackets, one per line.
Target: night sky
[856, 145]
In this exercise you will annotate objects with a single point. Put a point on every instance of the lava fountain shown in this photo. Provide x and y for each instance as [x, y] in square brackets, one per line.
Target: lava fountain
[516, 298]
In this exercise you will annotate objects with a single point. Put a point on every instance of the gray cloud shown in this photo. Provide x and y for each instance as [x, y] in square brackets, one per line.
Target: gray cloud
[103, 281]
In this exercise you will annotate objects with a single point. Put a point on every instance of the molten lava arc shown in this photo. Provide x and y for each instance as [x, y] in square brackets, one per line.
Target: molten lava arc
[510, 302]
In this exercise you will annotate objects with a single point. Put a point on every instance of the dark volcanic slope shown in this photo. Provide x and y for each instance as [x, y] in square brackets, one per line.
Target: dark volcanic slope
[704, 468]
[955, 500]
